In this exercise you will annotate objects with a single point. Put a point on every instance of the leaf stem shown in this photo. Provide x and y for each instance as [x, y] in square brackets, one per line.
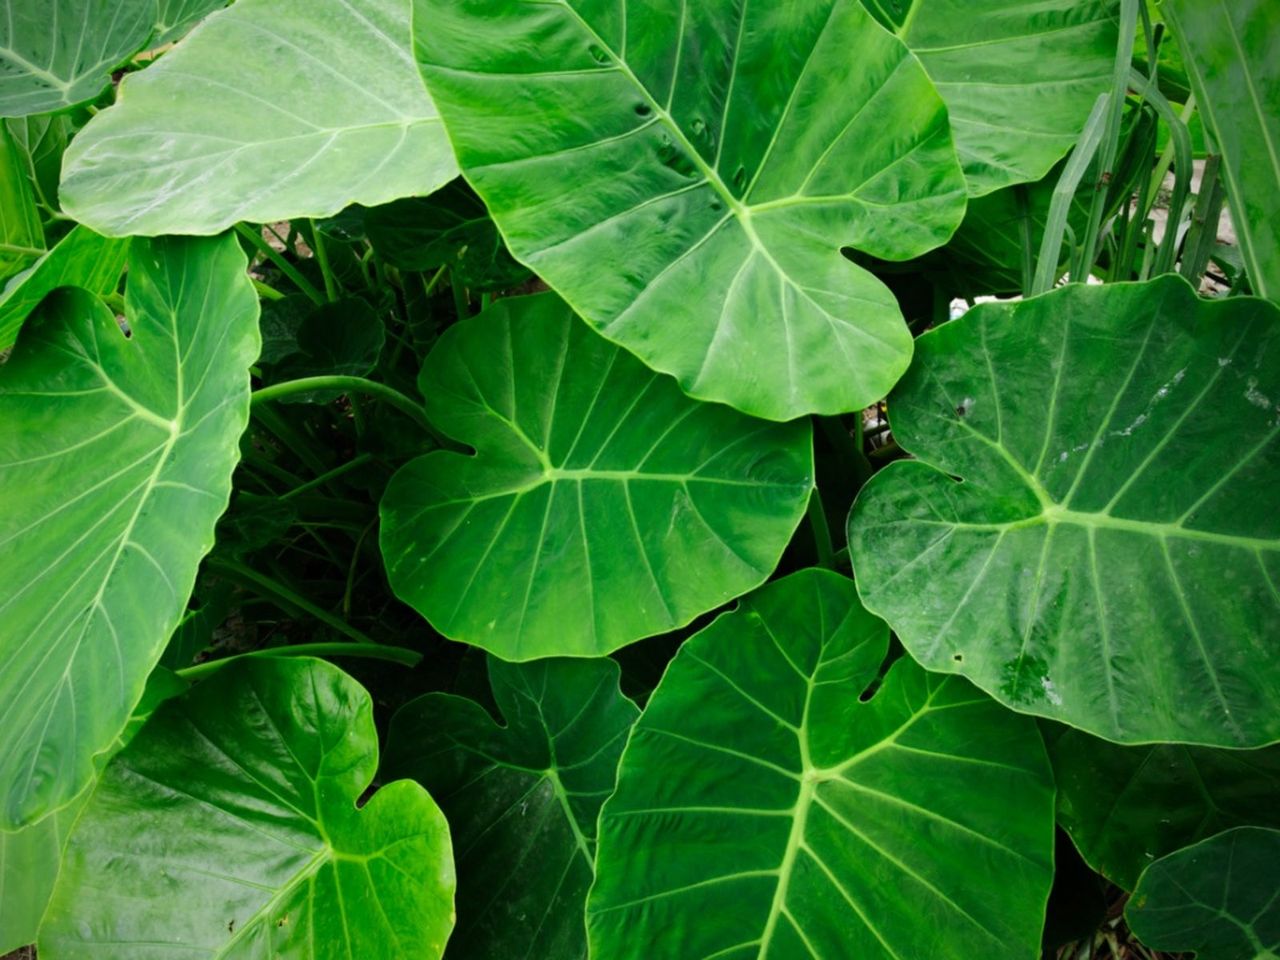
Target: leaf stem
[21, 250]
[288, 269]
[236, 571]
[324, 478]
[821, 532]
[322, 257]
[346, 385]
[374, 651]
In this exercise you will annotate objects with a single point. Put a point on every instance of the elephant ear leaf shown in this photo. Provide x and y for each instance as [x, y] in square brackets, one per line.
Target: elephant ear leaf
[1217, 899]
[1018, 76]
[115, 463]
[57, 53]
[192, 145]
[722, 147]
[1111, 555]
[773, 785]
[522, 798]
[602, 504]
[238, 803]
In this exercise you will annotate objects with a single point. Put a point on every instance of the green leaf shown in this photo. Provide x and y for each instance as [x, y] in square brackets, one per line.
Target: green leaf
[1111, 556]
[522, 798]
[115, 463]
[42, 140]
[773, 802]
[633, 154]
[268, 110]
[1126, 806]
[1216, 899]
[233, 812]
[21, 234]
[602, 505]
[449, 228]
[343, 338]
[1229, 53]
[58, 53]
[175, 17]
[1018, 76]
[81, 259]
[31, 857]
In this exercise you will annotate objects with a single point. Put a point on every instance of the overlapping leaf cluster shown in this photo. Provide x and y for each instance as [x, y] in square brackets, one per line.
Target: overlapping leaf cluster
[633, 705]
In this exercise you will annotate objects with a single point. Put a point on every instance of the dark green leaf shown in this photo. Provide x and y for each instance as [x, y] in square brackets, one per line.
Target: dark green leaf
[1111, 558]
[57, 53]
[627, 153]
[768, 808]
[21, 235]
[267, 111]
[602, 506]
[343, 338]
[1126, 806]
[228, 828]
[449, 228]
[115, 462]
[1219, 899]
[522, 798]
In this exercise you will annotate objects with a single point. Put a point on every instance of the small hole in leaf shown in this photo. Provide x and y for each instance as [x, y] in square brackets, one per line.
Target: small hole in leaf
[740, 178]
[598, 54]
[958, 658]
[123, 324]
[643, 109]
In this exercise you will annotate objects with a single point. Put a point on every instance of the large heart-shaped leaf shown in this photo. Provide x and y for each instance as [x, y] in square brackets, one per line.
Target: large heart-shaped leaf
[31, 857]
[603, 505]
[1229, 52]
[81, 259]
[233, 813]
[1219, 899]
[522, 799]
[771, 805]
[1111, 558]
[57, 53]
[267, 110]
[1126, 806]
[1018, 76]
[719, 147]
[115, 462]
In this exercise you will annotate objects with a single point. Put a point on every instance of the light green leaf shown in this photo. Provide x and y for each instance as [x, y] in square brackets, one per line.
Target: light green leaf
[176, 17]
[21, 234]
[31, 857]
[1218, 899]
[1126, 806]
[1018, 76]
[602, 506]
[1111, 558]
[522, 798]
[115, 463]
[57, 53]
[631, 153]
[266, 111]
[1229, 51]
[228, 828]
[773, 802]
[81, 259]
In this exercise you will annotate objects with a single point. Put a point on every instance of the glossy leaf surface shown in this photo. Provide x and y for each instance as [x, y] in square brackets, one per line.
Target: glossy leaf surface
[767, 808]
[81, 259]
[175, 17]
[57, 53]
[1112, 557]
[726, 148]
[31, 857]
[238, 803]
[602, 506]
[1018, 76]
[1217, 899]
[1229, 52]
[268, 110]
[521, 797]
[115, 463]
[1126, 806]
